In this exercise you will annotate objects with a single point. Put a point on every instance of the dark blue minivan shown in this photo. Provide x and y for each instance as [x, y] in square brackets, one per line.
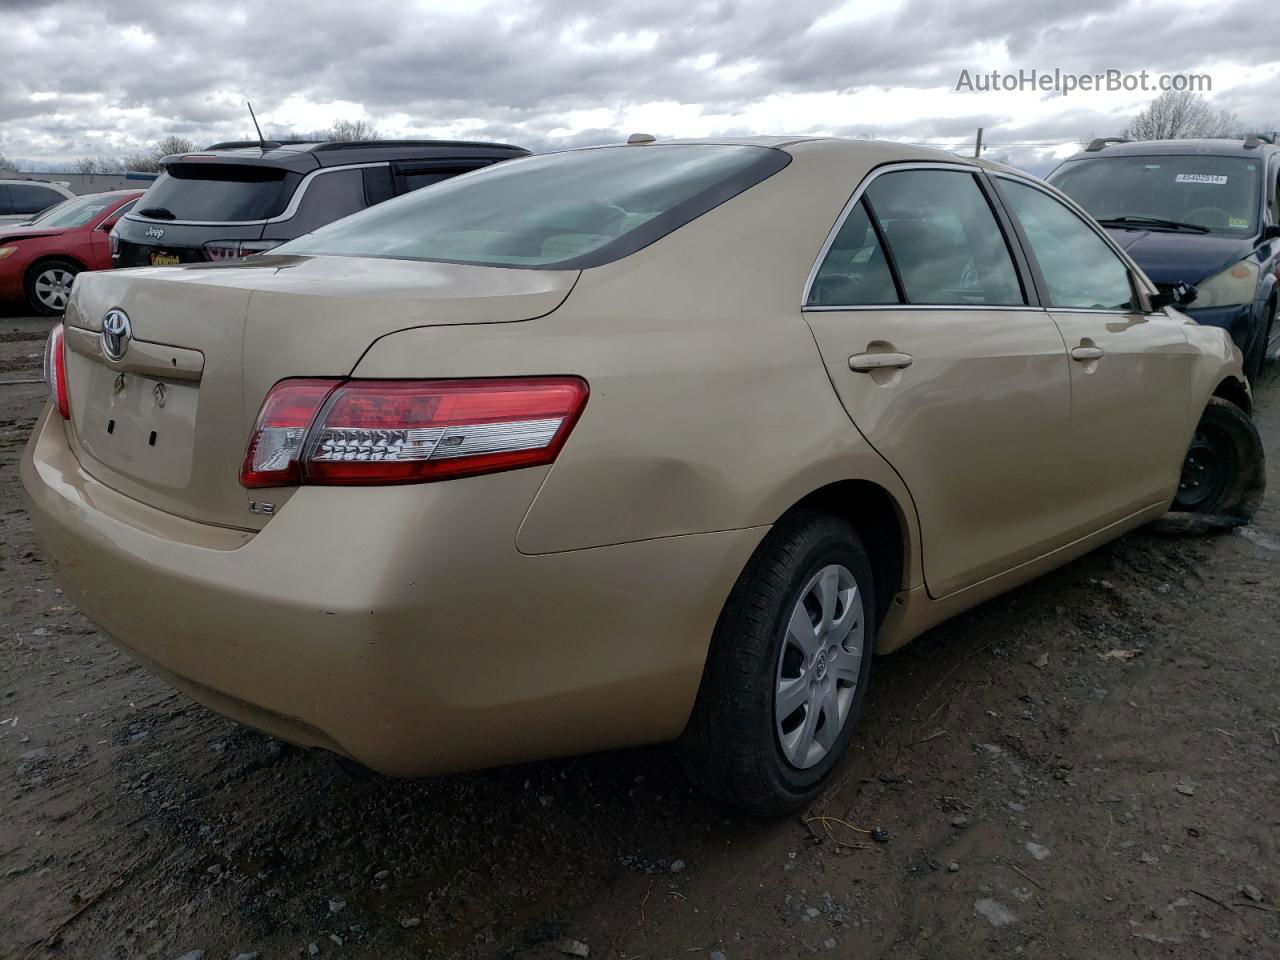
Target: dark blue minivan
[1203, 212]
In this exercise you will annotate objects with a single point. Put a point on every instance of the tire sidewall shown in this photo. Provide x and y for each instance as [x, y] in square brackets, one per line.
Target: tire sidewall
[836, 545]
[1241, 495]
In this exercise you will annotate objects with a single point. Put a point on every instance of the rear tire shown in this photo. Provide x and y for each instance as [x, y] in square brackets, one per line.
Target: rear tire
[1224, 472]
[48, 286]
[809, 574]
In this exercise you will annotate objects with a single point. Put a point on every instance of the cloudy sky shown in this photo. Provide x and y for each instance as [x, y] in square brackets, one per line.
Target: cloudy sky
[97, 77]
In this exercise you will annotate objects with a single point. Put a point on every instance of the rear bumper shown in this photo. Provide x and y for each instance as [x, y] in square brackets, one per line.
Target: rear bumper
[399, 626]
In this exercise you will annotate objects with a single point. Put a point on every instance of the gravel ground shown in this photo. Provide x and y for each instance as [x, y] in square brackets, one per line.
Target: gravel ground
[1087, 767]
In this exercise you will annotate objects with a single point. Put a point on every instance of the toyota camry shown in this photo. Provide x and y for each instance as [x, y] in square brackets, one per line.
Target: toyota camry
[622, 445]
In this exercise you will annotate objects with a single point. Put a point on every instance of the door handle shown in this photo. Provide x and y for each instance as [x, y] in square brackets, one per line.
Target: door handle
[1084, 354]
[867, 362]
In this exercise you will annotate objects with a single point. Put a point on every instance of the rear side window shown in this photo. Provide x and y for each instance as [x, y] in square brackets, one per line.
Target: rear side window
[566, 210]
[32, 198]
[944, 239]
[219, 192]
[1078, 267]
[410, 176]
[854, 272]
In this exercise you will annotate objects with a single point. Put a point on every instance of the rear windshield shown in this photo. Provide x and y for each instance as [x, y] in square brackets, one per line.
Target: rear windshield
[567, 210]
[1218, 193]
[218, 192]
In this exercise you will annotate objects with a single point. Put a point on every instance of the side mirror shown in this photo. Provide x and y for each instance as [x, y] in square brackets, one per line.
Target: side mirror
[106, 225]
[1271, 232]
[1174, 295]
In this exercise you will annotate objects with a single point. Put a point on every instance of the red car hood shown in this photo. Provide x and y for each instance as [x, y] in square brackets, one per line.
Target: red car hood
[28, 233]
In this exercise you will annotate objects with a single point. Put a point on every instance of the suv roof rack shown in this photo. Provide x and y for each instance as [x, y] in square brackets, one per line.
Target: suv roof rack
[1253, 140]
[243, 144]
[344, 144]
[1099, 142]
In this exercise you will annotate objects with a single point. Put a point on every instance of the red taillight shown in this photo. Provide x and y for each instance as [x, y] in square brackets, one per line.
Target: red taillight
[398, 431]
[55, 371]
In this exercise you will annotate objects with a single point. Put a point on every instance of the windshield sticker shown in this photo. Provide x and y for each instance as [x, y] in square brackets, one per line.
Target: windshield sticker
[1199, 178]
[1236, 223]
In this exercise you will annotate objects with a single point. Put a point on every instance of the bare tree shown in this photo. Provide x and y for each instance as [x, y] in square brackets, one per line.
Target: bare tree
[351, 130]
[7, 164]
[142, 163]
[172, 144]
[1180, 114]
[86, 165]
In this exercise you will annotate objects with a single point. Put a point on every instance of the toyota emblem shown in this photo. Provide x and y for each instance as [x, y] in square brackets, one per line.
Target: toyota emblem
[116, 333]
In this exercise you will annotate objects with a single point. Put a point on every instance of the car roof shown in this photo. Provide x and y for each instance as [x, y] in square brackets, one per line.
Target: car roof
[1163, 148]
[809, 144]
[310, 154]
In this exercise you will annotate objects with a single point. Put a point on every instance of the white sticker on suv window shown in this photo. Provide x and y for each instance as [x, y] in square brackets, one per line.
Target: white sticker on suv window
[1199, 178]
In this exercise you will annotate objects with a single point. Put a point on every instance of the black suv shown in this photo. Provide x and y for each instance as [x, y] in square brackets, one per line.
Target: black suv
[1204, 212]
[234, 199]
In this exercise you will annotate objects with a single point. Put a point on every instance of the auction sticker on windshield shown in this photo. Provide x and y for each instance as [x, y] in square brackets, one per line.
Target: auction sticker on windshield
[1199, 178]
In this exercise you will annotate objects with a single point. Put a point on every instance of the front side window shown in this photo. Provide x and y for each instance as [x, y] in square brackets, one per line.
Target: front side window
[1078, 267]
[566, 210]
[944, 238]
[1206, 193]
[30, 198]
[854, 272]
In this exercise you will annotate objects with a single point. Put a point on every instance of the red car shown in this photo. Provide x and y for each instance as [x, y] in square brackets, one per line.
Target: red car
[40, 258]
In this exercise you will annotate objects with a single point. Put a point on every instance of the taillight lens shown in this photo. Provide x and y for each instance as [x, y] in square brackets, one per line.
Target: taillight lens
[55, 371]
[397, 431]
[113, 239]
[234, 249]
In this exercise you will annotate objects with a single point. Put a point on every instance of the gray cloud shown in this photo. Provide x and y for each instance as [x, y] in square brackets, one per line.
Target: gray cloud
[86, 76]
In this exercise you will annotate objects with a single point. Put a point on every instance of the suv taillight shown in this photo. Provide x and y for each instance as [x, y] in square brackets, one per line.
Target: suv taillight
[353, 432]
[55, 371]
[234, 249]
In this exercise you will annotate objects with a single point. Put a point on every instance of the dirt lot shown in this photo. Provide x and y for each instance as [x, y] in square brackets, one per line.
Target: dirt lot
[1088, 767]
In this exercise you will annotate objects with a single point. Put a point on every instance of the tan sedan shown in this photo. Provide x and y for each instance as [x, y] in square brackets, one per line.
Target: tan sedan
[617, 446]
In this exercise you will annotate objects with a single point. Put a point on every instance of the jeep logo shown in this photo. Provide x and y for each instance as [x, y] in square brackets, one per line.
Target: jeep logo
[155, 233]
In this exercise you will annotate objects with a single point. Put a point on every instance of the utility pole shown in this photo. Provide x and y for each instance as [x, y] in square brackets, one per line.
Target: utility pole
[977, 147]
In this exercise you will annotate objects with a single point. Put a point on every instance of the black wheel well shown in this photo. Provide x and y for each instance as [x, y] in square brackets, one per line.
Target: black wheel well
[1234, 391]
[875, 515]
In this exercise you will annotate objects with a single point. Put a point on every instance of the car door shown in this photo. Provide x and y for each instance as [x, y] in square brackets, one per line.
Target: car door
[948, 367]
[1130, 367]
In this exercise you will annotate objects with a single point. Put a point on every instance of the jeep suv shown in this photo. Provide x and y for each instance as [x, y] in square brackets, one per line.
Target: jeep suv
[1202, 212]
[235, 199]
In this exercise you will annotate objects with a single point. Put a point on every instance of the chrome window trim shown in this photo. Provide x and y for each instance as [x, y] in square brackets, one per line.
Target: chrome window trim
[1010, 307]
[289, 212]
[959, 165]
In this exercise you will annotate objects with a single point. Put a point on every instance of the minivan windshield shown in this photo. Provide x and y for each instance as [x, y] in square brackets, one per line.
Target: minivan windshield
[1219, 194]
[568, 210]
[74, 213]
[218, 192]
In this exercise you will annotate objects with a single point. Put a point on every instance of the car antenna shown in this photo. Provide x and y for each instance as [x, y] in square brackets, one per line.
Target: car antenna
[261, 142]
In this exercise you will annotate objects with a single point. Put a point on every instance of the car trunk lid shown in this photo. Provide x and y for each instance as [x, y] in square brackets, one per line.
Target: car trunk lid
[168, 422]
